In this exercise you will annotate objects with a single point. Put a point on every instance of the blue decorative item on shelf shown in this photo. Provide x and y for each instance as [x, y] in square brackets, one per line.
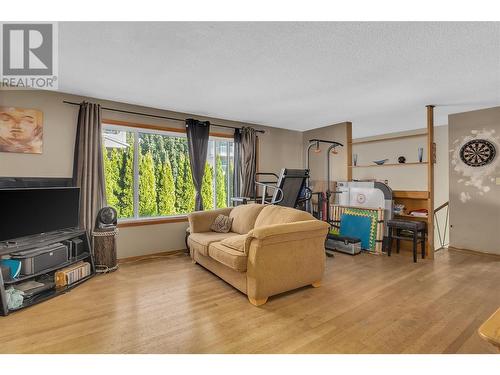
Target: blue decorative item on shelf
[420, 154]
[380, 162]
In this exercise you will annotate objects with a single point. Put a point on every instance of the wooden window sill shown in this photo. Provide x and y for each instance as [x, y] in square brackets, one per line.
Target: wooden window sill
[154, 221]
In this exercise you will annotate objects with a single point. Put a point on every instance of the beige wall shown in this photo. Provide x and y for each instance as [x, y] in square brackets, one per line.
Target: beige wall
[474, 192]
[150, 239]
[318, 164]
[278, 148]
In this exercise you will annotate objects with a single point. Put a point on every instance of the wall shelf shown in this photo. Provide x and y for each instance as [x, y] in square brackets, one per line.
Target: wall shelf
[388, 165]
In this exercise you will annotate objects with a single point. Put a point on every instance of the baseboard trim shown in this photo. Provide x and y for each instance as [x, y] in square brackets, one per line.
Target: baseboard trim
[150, 256]
[474, 252]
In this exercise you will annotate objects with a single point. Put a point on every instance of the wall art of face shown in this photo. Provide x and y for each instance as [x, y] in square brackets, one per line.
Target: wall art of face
[21, 130]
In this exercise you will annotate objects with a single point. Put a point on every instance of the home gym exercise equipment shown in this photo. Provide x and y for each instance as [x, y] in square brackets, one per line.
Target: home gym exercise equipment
[288, 190]
[291, 187]
[323, 198]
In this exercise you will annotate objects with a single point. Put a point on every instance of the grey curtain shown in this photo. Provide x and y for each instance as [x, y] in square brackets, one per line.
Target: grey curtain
[237, 163]
[248, 161]
[88, 169]
[197, 136]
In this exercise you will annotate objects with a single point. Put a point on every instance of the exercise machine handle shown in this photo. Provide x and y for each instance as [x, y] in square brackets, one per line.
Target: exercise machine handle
[264, 191]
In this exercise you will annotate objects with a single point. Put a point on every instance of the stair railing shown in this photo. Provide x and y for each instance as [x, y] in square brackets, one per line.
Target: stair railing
[442, 239]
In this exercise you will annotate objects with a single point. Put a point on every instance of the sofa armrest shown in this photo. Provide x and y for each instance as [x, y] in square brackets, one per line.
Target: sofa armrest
[300, 228]
[285, 256]
[200, 221]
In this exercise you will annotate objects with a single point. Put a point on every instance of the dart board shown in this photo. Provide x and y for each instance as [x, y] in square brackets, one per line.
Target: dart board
[477, 153]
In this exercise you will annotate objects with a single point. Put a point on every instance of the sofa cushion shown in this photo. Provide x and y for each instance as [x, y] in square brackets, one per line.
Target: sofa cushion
[273, 214]
[231, 258]
[236, 242]
[244, 217]
[201, 241]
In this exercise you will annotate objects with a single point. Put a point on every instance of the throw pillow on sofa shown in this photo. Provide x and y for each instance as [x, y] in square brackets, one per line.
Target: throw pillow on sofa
[222, 224]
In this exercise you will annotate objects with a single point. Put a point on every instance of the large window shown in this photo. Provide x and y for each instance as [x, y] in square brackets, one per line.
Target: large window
[148, 174]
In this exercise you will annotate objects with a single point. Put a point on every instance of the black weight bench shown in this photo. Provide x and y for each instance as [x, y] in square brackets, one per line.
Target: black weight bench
[416, 230]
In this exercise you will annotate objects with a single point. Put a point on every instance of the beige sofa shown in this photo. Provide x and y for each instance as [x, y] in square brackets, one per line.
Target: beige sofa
[269, 250]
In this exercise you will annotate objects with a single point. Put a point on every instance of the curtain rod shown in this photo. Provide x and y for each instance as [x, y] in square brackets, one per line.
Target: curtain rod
[157, 116]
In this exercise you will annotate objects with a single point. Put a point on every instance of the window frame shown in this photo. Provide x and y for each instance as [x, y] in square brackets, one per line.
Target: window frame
[137, 128]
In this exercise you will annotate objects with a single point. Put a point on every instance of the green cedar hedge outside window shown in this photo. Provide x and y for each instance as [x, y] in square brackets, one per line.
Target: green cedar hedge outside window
[148, 175]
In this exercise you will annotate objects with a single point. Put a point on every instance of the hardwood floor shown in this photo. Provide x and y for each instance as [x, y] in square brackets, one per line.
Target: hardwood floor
[366, 304]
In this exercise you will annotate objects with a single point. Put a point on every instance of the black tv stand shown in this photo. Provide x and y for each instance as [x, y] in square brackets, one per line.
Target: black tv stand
[40, 240]
[26, 242]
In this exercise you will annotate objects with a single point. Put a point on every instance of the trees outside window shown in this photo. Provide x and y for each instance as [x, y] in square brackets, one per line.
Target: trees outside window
[148, 205]
[166, 185]
[220, 183]
[207, 191]
[148, 173]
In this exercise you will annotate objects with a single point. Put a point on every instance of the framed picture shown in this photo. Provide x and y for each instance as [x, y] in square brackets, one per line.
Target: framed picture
[21, 130]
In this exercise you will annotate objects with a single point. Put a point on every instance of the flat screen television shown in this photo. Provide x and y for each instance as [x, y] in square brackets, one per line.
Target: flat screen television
[31, 211]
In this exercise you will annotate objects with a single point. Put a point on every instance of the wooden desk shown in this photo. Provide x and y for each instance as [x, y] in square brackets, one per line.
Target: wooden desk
[490, 329]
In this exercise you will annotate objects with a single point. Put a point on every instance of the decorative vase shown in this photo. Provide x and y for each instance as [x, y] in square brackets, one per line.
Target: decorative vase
[401, 160]
[354, 159]
[420, 154]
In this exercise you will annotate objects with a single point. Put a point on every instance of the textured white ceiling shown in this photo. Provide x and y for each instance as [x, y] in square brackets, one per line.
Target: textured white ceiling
[291, 75]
